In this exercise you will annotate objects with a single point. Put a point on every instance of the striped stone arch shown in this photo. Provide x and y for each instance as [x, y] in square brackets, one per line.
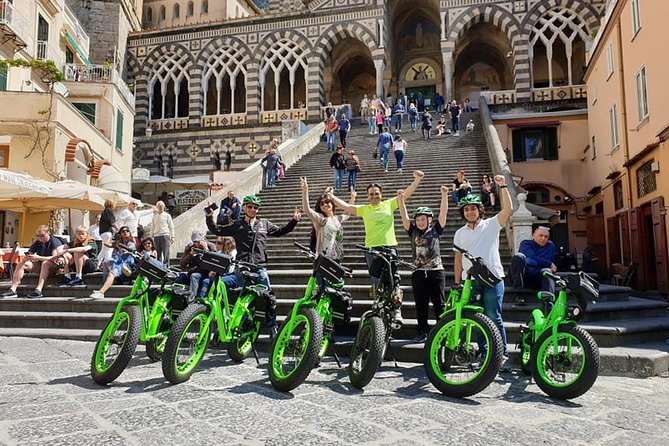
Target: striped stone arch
[583, 8]
[328, 40]
[173, 48]
[203, 57]
[508, 24]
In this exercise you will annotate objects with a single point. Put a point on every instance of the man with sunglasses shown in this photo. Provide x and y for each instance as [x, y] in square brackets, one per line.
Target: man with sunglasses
[41, 254]
[480, 236]
[250, 234]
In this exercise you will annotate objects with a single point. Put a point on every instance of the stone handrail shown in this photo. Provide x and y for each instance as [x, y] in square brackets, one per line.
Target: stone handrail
[250, 183]
[498, 161]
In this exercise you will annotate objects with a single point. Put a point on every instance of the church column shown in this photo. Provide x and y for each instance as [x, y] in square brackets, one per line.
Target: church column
[380, 65]
[448, 77]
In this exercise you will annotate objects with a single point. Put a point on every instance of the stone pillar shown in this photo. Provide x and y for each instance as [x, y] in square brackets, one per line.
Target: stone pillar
[380, 66]
[521, 221]
[448, 77]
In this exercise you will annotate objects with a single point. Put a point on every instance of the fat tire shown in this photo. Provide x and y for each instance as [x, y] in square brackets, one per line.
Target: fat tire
[483, 379]
[152, 351]
[234, 350]
[171, 353]
[310, 355]
[371, 328]
[590, 370]
[127, 348]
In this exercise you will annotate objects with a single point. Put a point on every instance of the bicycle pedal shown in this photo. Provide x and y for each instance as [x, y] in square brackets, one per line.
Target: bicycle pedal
[396, 325]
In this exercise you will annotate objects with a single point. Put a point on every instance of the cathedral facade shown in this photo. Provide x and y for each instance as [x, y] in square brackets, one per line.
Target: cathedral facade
[227, 82]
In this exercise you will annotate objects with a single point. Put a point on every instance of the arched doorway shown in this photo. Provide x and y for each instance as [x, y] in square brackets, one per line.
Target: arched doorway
[483, 61]
[349, 73]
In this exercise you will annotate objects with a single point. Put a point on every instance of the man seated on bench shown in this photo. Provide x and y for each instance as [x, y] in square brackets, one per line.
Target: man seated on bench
[534, 257]
[40, 256]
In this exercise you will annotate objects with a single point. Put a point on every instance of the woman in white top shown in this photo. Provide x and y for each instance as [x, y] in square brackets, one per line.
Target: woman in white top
[329, 234]
[162, 230]
[399, 148]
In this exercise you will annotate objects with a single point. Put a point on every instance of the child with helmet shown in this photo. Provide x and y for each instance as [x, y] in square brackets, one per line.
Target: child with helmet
[429, 279]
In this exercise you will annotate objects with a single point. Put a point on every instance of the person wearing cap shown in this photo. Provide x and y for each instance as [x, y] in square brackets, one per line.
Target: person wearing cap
[480, 236]
[190, 261]
[250, 234]
[534, 257]
[128, 217]
[428, 280]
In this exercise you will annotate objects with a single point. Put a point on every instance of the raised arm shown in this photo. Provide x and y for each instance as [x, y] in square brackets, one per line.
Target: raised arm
[313, 215]
[443, 208]
[401, 204]
[350, 209]
[507, 206]
[417, 178]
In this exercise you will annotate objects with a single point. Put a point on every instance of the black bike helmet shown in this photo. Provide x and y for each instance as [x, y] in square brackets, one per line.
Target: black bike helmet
[423, 210]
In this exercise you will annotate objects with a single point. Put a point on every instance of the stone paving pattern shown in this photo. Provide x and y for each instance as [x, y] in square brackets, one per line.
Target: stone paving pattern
[48, 398]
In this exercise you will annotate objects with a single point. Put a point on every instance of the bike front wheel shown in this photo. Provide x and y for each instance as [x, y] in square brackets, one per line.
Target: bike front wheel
[567, 366]
[474, 360]
[116, 345]
[186, 344]
[248, 330]
[367, 352]
[295, 350]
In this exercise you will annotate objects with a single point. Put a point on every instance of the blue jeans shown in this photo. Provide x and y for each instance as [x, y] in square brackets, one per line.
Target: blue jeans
[371, 121]
[384, 151]
[456, 123]
[523, 277]
[193, 280]
[399, 158]
[229, 280]
[272, 174]
[398, 122]
[412, 121]
[492, 306]
[339, 176]
[331, 141]
[351, 178]
[460, 193]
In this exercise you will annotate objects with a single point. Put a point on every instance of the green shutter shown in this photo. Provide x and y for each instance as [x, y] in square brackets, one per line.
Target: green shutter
[119, 130]
[518, 148]
[3, 78]
[551, 143]
[86, 109]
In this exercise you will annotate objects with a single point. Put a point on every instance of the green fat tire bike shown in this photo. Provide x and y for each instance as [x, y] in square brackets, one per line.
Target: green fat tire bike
[304, 337]
[464, 352]
[137, 319]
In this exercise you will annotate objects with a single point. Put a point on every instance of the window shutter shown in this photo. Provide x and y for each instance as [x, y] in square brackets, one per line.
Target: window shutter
[3, 78]
[551, 143]
[119, 130]
[518, 149]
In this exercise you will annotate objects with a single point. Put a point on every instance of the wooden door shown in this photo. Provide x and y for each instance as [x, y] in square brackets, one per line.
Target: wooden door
[595, 228]
[613, 232]
[623, 220]
[660, 242]
[636, 246]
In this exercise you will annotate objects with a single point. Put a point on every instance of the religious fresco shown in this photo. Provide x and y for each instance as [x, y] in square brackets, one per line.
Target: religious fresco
[418, 34]
[481, 76]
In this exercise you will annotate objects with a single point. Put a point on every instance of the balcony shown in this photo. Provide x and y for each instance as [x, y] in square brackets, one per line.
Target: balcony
[74, 28]
[47, 52]
[98, 74]
[13, 25]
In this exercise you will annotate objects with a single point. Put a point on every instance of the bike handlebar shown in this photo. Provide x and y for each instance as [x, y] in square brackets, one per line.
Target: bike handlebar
[551, 276]
[380, 250]
[251, 266]
[305, 250]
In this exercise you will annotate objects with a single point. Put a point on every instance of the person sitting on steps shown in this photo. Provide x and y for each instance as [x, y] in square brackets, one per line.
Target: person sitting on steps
[534, 257]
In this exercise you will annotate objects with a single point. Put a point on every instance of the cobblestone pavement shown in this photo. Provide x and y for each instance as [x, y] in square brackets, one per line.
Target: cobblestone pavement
[48, 398]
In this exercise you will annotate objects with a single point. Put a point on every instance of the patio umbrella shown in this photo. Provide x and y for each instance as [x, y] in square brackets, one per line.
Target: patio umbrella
[62, 195]
[156, 181]
[13, 185]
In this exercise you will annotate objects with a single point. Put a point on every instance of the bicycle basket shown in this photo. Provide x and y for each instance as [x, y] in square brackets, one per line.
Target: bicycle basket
[152, 269]
[329, 269]
[584, 287]
[482, 274]
[342, 305]
[216, 262]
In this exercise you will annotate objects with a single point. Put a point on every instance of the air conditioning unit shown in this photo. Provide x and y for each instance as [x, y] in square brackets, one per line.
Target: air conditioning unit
[655, 167]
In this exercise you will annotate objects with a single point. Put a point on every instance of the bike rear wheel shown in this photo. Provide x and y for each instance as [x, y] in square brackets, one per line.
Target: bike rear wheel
[249, 329]
[295, 350]
[367, 351]
[186, 344]
[116, 345]
[472, 364]
[156, 346]
[566, 369]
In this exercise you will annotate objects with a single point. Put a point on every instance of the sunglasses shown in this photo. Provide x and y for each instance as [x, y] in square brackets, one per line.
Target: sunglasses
[125, 230]
[252, 206]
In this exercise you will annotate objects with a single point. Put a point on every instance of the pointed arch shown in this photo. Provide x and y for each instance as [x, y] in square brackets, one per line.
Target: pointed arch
[582, 8]
[168, 82]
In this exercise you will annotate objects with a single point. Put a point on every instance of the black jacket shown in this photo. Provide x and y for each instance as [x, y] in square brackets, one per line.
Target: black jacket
[338, 161]
[245, 235]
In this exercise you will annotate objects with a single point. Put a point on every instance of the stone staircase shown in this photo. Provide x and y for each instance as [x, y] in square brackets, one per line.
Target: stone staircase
[618, 319]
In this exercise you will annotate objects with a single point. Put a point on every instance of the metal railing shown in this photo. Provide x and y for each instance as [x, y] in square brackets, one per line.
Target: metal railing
[98, 74]
[72, 21]
[15, 21]
[44, 51]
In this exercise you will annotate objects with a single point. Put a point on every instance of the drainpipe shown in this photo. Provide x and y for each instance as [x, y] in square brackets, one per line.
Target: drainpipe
[623, 114]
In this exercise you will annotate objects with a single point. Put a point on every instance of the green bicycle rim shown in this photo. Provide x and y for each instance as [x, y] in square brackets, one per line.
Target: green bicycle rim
[101, 363]
[439, 343]
[546, 353]
[284, 342]
[196, 350]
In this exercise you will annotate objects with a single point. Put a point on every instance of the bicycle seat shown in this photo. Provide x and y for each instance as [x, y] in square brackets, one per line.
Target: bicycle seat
[545, 295]
[252, 277]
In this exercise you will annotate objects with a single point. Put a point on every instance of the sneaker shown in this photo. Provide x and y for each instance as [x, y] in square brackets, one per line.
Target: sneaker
[399, 170]
[77, 281]
[273, 331]
[35, 294]
[506, 365]
[421, 338]
[96, 295]
[398, 321]
[65, 280]
[10, 293]
[385, 171]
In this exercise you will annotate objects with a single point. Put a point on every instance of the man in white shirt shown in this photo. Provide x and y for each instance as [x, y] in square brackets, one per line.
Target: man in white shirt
[480, 236]
[128, 217]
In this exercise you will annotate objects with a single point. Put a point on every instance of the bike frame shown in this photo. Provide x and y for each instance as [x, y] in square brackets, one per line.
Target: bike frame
[457, 302]
[219, 308]
[541, 322]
